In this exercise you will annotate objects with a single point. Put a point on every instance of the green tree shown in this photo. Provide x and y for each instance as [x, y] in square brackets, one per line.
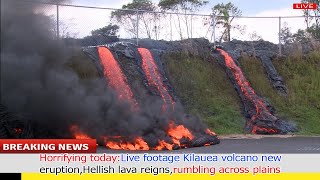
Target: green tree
[300, 36]
[127, 16]
[286, 36]
[315, 13]
[255, 37]
[225, 14]
[183, 6]
[314, 31]
[110, 30]
[312, 17]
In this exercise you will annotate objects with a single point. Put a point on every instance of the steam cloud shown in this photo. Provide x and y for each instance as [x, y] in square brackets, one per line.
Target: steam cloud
[36, 82]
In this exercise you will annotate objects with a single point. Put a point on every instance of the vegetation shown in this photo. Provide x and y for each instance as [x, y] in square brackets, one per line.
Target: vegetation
[139, 17]
[183, 6]
[313, 20]
[110, 30]
[225, 14]
[287, 37]
[312, 31]
[202, 85]
[302, 77]
[128, 19]
[83, 66]
[205, 91]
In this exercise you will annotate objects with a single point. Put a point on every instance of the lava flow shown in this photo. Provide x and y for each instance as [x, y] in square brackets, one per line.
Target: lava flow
[261, 119]
[118, 143]
[176, 134]
[154, 77]
[173, 136]
[77, 133]
[177, 137]
[113, 72]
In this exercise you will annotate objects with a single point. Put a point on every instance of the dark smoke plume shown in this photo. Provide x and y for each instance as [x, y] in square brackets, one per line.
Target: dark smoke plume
[33, 76]
[36, 83]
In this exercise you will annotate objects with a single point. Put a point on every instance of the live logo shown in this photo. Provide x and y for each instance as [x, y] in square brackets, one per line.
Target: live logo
[304, 6]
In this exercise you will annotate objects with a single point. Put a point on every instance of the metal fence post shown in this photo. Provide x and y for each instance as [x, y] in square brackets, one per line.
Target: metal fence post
[213, 36]
[307, 19]
[170, 27]
[191, 27]
[280, 48]
[58, 28]
[137, 26]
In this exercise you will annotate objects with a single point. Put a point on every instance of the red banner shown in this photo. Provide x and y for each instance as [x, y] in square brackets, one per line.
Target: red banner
[48, 145]
[304, 6]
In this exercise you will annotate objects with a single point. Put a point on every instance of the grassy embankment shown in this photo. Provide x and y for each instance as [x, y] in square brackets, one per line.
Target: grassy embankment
[302, 77]
[205, 90]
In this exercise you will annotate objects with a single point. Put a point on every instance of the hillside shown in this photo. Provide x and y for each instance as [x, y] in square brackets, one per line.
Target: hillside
[202, 86]
[301, 74]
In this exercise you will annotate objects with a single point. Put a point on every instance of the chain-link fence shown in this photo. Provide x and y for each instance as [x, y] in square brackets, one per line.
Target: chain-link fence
[78, 22]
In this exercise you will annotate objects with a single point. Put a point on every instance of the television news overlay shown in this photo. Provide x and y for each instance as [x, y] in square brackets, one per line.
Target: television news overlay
[159, 89]
[305, 6]
[66, 158]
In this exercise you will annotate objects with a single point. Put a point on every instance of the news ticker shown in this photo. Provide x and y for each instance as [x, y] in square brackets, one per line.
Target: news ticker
[78, 159]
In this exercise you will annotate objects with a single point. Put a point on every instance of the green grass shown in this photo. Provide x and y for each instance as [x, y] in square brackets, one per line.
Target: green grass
[205, 91]
[302, 77]
[82, 65]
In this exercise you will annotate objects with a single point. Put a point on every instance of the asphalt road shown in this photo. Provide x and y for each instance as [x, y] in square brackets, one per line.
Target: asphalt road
[251, 144]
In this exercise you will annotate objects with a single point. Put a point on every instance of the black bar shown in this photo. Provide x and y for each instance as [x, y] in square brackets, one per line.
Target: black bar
[10, 176]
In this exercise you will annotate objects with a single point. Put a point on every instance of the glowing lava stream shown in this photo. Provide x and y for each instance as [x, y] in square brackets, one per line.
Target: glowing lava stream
[153, 76]
[113, 72]
[176, 135]
[138, 144]
[78, 134]
[249, 93]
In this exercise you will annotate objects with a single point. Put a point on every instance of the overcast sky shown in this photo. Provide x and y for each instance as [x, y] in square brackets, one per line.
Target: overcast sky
[248, 7]
[81, 21]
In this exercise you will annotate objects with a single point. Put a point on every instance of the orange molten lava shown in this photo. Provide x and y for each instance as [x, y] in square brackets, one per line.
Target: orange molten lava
[176, 133]
[256, 129]
[138, 144]
[179, 132]
[153, 76]
[77, 133]
[209, 132]
[163, 145]
[117, 80]
[247, 90]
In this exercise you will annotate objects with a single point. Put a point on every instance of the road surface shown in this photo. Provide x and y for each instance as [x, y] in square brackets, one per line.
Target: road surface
[249, 144]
